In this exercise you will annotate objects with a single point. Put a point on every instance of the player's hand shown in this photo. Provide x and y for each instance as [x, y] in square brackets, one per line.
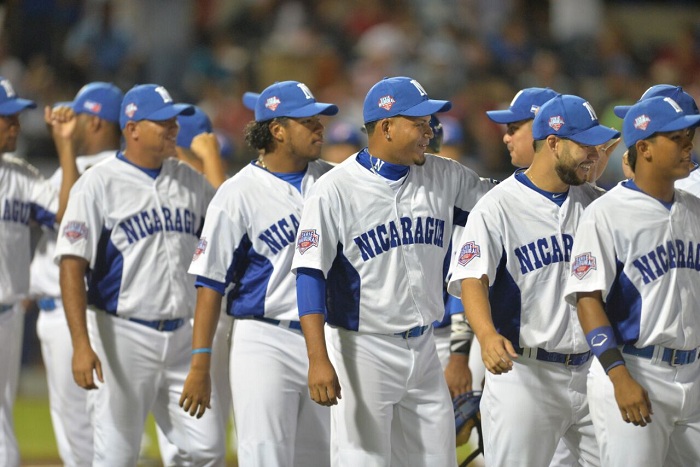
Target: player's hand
[205, 145]
[497, 352]
[324, 387]
[458, 375]
[61, 122]
[86, 364]
[632, 399]
[196, 394]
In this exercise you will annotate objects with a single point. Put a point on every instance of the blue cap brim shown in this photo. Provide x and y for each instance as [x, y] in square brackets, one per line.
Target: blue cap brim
[595, 136]
[316, 108]
[250, 99]
[506, 116]
[686, 121]
[426, 108]
[14, 106]
[621, 110]
[169, 112]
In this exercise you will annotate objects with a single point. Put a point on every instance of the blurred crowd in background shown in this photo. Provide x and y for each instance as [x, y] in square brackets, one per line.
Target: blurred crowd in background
[476, 53]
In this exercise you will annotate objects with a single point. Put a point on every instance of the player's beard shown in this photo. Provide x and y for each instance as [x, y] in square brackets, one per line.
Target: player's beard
[566, 168]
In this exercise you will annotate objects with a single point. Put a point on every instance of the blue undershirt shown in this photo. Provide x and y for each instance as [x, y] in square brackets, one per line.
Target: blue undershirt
[633, 186]
[153, 173]
[380, 167]
[557, 198]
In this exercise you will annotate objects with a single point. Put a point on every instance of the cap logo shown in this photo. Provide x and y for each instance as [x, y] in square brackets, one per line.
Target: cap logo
[130, 110]
[164, 94]
[272, 103]
[386, 102]
[305, 90]
[642, 122]
[92, 106]
[556, 122]
[5, 83]
[534, 109]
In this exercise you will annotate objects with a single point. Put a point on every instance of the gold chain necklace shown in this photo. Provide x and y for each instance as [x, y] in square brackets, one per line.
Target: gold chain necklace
[261, 162]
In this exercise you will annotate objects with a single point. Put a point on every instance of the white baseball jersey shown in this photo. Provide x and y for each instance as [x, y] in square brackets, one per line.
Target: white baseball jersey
[382, 250]
[691, 183]
[521, 240]
[138, 234]
[43, 271]
[645, 265]
[24, 195]
[249, 238]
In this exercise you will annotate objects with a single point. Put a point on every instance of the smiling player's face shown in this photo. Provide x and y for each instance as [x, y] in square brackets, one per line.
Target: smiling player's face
[410, 137]
[575, 162]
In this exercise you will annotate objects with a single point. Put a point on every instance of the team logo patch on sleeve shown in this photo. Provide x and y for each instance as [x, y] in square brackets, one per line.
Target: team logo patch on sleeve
[307, 239]
[201, 248]
[468, 252]
[583, 264]
[75, 231]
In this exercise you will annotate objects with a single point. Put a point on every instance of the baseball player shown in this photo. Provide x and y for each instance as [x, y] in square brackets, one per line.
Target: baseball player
[96, 135]
[369, 261]
[248, 242]
[130, 227]
[508, 270]
[24, 196]
[634, 276]
[687, 103]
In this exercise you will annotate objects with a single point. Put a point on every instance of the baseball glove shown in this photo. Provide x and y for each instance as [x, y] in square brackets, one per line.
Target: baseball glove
[468, 417]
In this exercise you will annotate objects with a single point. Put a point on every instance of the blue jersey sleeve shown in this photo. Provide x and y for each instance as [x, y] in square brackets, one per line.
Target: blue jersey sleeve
[202, 281]
[311, 291]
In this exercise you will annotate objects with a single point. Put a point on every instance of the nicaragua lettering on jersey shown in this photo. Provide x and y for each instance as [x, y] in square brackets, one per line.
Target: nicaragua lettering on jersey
[280, 234]
[543, 252]
[147, 223]
[15, 210]
[428, 231]
[670, 255]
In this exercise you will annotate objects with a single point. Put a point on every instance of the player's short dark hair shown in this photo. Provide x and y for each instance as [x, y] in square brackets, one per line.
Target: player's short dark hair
[258, 136]
[538, 143]
[632, 157]
[370, 126]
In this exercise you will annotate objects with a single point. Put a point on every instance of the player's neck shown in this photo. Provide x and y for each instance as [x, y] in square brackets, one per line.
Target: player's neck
[655, 186]
[144, 160]
[545, 178]
[281, 163]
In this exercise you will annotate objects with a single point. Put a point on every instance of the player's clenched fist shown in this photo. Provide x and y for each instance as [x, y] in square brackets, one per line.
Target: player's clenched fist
[498, 353]
[324, 387]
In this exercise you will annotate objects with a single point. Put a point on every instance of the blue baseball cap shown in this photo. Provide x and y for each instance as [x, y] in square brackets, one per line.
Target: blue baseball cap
[676, 93]
[191, 126]
[571, 117]
[150, 102]
[653, 115]
[524, 105]
[10, 104]
[452, 132]
[286, 99]
[100, 99]
[226, 148]
[400, 96]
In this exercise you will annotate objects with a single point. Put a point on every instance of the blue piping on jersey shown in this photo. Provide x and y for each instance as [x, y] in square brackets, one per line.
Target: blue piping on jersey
[202, 281]
[629, 183]
[250, 273]
[343, 293]
[506, 305]
[624, 307]
[43, 216]
[105, 279]
[459, 217]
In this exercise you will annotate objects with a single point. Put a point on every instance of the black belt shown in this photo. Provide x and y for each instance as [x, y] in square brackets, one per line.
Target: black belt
[673, 357]
[414, 332]
[289, 324]
[572, 359]
[160, 325]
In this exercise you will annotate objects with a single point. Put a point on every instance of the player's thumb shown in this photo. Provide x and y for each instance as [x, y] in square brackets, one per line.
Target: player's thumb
[510, 349]
[98, 370]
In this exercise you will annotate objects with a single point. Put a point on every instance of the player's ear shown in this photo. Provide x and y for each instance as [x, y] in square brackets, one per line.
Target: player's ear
[385, 126]
[552, 142]
[94, 123]
[131, 130]
[277, 130]
[643, 149]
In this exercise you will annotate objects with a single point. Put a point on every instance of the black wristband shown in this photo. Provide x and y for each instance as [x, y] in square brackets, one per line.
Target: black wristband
[611, 358]
[460, 346]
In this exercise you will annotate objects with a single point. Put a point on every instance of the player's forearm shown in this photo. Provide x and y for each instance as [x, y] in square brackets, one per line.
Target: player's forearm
[74, 296]
[206, 318]
[314, 334]
[66, 155]
[591, 313]
[475, 298]
[206, 148]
